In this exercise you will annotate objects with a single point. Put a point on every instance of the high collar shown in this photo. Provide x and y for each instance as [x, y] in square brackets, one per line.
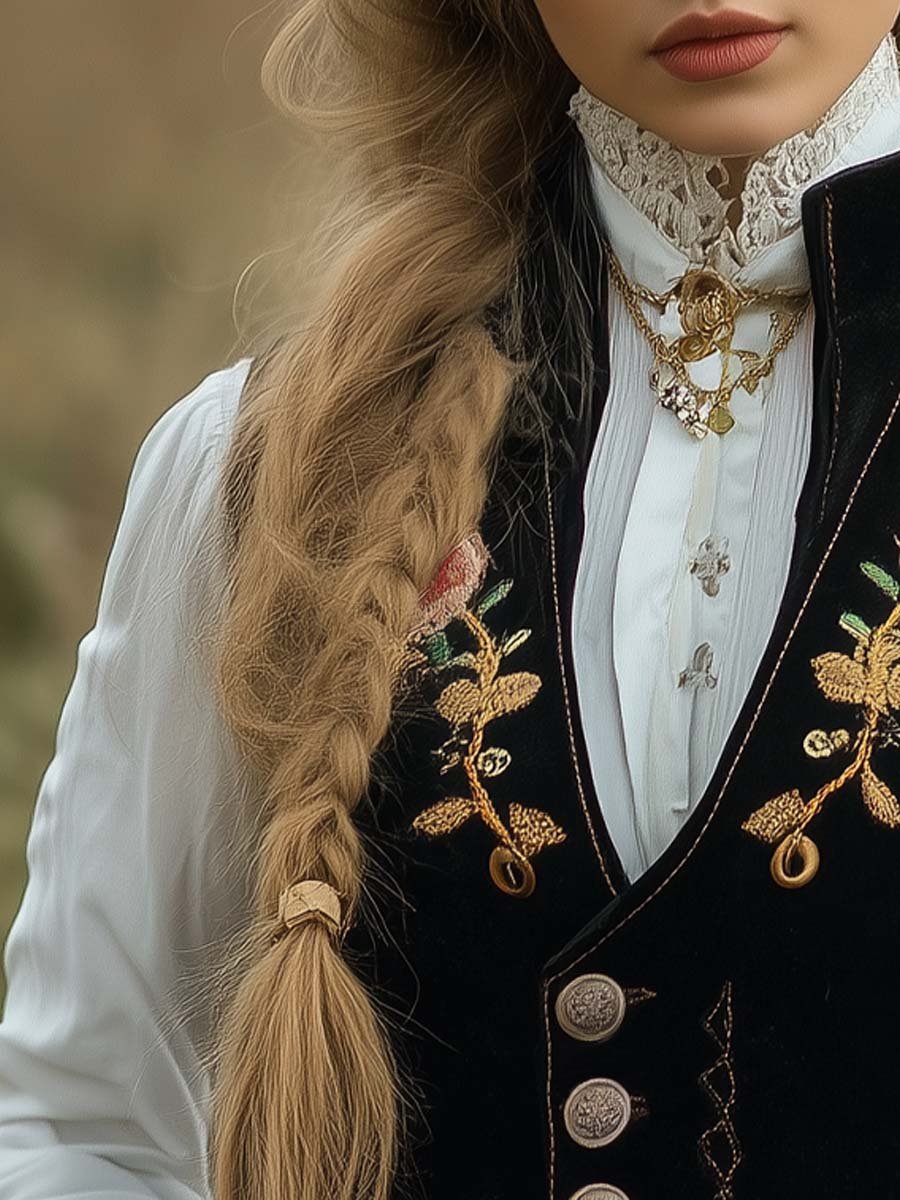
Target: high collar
[662, 211]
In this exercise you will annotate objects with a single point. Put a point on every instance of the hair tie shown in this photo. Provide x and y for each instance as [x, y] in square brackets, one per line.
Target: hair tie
[310, 899]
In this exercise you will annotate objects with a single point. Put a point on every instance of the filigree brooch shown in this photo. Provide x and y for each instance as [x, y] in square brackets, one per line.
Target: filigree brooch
[708, 308]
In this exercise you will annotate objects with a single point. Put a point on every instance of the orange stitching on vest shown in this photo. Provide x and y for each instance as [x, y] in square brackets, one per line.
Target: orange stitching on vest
[562, 671]
[829, 231]
[550, 1130]
[719, 1024]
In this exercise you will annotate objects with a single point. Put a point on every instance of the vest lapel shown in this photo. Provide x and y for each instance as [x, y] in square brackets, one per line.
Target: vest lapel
[853, 247]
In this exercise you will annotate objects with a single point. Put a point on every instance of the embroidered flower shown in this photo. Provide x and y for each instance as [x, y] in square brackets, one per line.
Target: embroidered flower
[458, 578]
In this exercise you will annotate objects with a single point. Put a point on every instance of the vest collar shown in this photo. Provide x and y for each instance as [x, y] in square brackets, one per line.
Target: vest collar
[853, 250]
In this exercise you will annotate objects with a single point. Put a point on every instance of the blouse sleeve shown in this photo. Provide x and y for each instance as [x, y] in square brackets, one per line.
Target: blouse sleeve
[131, 882]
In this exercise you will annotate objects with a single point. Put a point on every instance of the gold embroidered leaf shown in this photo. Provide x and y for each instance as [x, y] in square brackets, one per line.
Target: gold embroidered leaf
[511, 692]
[777, 818]
[459, 701]
[466, 659]
[880, 800]
[893, 688]
[514, 641]
[841, 678]
[533, 829]
[445, 816]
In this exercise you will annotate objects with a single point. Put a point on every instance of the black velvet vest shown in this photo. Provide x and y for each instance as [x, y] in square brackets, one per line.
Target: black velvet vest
[705, 1033]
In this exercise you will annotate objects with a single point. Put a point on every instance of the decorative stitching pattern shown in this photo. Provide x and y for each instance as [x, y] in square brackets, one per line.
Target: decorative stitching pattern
[870, 681]
[573, 752]
[548, 1095]
[639, 995]
[719, 1144]
[469, 703]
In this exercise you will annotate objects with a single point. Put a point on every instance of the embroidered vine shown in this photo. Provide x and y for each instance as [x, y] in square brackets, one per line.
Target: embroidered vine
[869, 680]
[469, 703]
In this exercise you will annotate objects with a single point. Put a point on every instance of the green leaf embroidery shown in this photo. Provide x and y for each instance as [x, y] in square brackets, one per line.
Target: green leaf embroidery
[855, 626]
[886, 582]
[494, 596]
[438, 648]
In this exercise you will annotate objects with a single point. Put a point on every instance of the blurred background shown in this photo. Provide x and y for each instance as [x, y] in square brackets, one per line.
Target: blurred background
[142, 171]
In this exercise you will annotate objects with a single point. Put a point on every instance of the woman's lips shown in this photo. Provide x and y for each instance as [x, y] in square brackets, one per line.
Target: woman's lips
[714, 58]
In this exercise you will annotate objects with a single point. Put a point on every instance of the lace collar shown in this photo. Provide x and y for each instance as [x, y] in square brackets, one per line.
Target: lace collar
[676, 189]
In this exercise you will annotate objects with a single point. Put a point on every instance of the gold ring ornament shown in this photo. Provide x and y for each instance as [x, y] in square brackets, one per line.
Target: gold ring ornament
[796, 846]
[512, 873]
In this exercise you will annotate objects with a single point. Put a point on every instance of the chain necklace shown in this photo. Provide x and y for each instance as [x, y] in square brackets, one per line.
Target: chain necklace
[708, 305]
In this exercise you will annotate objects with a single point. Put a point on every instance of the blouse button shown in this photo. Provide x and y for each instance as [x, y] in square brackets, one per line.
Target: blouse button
[699, 673]
[597, 1112]
[591, 1008]
[600, 1191]
[710, 562]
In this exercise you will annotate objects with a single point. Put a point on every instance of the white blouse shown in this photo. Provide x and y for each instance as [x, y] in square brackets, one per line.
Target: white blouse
[102, 1089]
[131, 893]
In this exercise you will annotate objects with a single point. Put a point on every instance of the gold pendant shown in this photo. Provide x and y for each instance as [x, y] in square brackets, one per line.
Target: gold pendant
[720, 420]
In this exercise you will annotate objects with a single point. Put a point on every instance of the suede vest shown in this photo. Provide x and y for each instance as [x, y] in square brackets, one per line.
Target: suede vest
[705, 1033]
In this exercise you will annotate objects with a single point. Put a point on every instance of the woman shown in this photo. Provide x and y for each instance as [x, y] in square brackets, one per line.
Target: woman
[480, 779]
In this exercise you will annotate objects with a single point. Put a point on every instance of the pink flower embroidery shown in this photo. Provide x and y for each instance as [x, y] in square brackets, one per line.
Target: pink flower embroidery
[459, 577]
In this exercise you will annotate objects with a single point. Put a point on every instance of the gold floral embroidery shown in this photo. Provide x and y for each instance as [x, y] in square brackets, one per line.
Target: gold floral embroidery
[469, 704]
[869, 680]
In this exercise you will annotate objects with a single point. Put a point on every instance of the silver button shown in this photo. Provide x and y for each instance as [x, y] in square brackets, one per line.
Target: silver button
[597, 1112]
[600, 1191]
[591, 1008]
[710, 562]
[699, 673]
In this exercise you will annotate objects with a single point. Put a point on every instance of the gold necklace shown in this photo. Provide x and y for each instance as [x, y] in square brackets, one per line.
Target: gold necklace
[708, 305]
